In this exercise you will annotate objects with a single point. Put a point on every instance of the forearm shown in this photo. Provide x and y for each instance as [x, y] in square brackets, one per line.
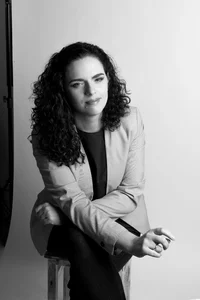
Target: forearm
[115, 205]
[121, 201]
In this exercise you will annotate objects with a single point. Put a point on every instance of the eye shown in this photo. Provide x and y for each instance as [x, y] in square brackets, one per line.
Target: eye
[99, 79]
[76, 85]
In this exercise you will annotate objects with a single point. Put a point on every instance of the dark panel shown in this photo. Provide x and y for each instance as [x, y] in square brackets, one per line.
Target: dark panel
[6, 121]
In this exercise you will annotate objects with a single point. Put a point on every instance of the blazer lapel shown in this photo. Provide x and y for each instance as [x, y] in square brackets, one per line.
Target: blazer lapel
[85, 176]
[115, 155]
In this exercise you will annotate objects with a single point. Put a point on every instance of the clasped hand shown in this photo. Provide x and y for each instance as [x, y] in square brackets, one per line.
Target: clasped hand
[50, 214]
[152, 243]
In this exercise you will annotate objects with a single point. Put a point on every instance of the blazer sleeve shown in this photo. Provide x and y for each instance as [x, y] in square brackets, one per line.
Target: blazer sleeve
[124, 199]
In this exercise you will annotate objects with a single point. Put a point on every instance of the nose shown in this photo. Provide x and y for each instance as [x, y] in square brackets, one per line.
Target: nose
[89, 89]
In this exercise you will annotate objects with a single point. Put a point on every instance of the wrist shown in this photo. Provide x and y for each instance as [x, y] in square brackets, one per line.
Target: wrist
[126, 241]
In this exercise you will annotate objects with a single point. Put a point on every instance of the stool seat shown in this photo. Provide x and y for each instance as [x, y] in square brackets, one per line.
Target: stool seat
[55, 263]
[63, 261]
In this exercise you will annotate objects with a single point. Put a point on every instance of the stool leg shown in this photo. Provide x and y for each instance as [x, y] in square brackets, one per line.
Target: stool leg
[52, 280]
[65, 282]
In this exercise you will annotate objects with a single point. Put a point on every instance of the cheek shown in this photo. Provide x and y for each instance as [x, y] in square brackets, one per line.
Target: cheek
[74, 96]
[104, 89]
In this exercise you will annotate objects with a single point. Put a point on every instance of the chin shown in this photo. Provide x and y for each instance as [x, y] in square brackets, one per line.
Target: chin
[96, 110]
[95, 113]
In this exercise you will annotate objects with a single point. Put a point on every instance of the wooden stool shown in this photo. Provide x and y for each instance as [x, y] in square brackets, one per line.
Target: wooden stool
[54, 265]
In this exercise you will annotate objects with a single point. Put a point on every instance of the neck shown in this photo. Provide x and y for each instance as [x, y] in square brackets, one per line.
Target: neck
[88, 123]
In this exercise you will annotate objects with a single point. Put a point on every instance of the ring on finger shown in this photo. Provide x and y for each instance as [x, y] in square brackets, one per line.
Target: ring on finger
[160, 246]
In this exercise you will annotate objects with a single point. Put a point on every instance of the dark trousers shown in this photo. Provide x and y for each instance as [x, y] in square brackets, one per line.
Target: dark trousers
[93, 271]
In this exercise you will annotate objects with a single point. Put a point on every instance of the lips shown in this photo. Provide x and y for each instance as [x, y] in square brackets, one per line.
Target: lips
[93, 101]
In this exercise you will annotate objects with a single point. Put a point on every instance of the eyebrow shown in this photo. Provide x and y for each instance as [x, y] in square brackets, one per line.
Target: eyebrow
[81, 79]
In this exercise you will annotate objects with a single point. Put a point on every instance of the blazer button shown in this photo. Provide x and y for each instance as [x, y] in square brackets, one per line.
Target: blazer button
[102, 244]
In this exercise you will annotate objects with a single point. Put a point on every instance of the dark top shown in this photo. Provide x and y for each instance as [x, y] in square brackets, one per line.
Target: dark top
[94, 145]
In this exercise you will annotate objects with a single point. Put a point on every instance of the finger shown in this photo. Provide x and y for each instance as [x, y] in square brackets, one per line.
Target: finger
[50, 211]
[40, 213]
[158, 247]
[44, 205]
[161, 240]
[47, 210]
[163, 231]
[44, 217]
[49, 216]
[38, 208]
[153, 253]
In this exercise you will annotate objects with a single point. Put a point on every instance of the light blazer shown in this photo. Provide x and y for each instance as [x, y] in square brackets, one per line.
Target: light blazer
[70, 188]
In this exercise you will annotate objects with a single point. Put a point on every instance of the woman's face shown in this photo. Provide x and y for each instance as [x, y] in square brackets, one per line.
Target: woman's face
[86, 85]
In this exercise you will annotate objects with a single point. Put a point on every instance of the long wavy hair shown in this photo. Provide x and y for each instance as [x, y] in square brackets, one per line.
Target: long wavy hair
[52, 118]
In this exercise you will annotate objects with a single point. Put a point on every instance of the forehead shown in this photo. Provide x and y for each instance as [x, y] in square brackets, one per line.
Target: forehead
[84, 67]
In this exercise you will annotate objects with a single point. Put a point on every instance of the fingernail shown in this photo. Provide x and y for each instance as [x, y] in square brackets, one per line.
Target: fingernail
[170, 240]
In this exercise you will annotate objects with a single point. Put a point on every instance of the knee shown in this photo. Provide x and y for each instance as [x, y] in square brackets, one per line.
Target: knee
[81, 244]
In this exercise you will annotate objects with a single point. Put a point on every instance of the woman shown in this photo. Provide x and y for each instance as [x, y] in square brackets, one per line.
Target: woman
[89, 148]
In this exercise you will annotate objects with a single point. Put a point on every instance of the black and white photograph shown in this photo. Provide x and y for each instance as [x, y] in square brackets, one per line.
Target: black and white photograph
[99, 150]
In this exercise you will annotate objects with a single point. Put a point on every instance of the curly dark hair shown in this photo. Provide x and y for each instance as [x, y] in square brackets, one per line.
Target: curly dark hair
[52, 117]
